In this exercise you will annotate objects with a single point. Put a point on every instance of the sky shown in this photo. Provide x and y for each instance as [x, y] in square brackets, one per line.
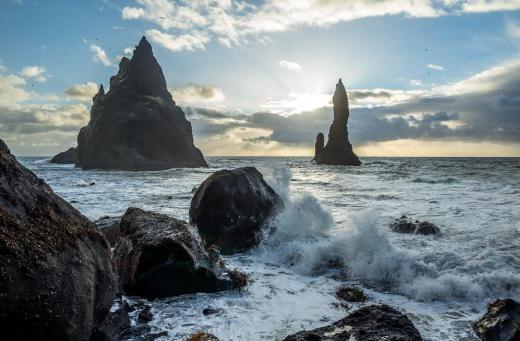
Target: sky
[424, 77]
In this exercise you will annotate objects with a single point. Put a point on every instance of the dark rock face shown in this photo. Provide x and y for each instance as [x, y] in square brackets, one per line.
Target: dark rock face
[109, 227]
[372, 323]
[318, 146]
[231, 208]
[338, 150]
[501, 322]
[406, 225]
[70, 156]
[114, 325]
[136, 125]
[56, 277]
[159, 256]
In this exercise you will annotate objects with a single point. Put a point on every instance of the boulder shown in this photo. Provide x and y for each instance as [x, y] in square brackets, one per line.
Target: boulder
[70, 156]
[501, 321]
[115, 324]
[109, 226]
[406, 225]
[159, 256]
[371, 323]
[201, 336]
[56, 275]
[137, 125]
[338, 150]
[350, 294]
[232, 207]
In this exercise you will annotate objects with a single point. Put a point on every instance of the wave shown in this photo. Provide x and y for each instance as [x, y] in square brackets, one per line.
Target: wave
[307, 239]
[431, 181]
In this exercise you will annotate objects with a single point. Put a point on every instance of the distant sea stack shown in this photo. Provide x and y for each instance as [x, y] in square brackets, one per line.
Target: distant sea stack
[338, 150]
[136, 124]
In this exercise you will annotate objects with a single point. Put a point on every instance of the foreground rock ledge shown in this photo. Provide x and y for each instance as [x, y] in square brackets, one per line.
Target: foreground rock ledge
[372, 323]
[56, 278]
[501, 322]
[232, 207]
[159, 256]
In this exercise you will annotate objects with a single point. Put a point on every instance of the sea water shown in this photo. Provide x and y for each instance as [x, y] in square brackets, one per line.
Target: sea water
[335, 230]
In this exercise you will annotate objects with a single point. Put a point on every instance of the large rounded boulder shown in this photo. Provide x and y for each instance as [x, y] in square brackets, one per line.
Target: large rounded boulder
[501, 321]
[160, 256]
[56, 275]
[231, 208]
[371, 323]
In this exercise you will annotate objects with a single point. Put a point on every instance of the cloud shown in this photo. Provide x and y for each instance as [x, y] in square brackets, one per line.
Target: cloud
[12, 89]
[191, 94]
[513, 29]
[234, 23]
[192, 41]
[36, 72]
[292, 66]
[435, 67]
[82, 92]
[415, 82]
[99, 55]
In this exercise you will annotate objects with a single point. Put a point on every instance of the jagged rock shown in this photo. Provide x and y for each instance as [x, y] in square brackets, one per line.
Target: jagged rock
[159, 256]
[109, 226]
[70, 156]
[115, 324]
[372, 323]
[338, 150]
[350, 294]
[56, 277]
[318, 146]
[145, 315]
[210, 311]
[501, 321]
[136, 125]
[202, 337]
[406, 225]
[231, 208]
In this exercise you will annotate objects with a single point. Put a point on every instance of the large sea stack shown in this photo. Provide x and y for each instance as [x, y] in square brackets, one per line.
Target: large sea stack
[338, 150]
[56, 275]
[136, 124]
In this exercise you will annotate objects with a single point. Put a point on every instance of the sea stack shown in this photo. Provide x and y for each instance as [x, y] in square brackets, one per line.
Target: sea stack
[338, 150]
[136, 125]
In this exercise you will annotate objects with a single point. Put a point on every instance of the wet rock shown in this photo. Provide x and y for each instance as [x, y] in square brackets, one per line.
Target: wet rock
[70, 156]
[145, 315]
[318, 146]
[210, 311]
[372, 323]
[202, 337]
[231, 208]
[501, 322]
[350, 294]
[338, 150]
[136, 125]
[116, 323]
[160, 256]
[109, 226]
[56, 275]
[406, 225]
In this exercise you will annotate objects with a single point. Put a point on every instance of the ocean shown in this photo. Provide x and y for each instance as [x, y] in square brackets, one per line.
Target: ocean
[335, 229]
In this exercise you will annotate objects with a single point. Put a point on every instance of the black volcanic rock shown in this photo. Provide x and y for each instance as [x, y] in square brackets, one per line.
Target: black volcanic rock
[406, 225]
[501, 321]
[372, 323]
[136, 125]
[338, 150]
[318, 146]
[70, 156]
[56, 275]
[160, 256]
[231, 208]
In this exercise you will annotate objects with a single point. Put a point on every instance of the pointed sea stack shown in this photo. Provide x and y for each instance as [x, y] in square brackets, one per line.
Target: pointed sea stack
[136, 124]
[338, 150]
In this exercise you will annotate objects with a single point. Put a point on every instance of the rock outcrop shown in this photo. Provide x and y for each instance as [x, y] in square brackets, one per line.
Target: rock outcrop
[136, 125]
[338, 150]
[501, 322]
[232, 207]
[70, 156]
[109, 227]
[56, 275]
[406, 225]
[372, 323]
[318, 146]
[160, 256]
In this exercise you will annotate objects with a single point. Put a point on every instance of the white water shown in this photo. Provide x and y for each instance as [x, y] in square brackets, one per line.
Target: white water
[335, 229]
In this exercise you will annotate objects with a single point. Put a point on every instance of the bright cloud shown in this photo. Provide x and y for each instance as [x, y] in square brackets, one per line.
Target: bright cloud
[292, 66]
[192, 41]
[513, 29]
[36, 72]
[197, 94]
[99, 55]
[82, 92]
[435, 67]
